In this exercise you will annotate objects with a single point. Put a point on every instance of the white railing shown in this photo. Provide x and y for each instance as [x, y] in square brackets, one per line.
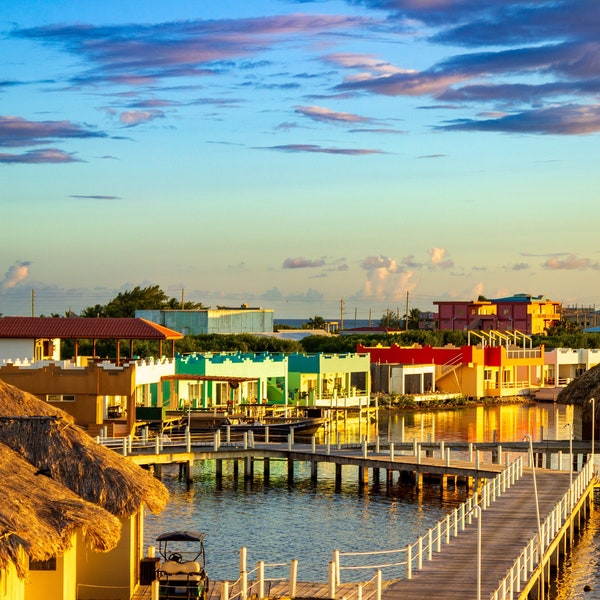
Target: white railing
[533, 552]
[406, 560]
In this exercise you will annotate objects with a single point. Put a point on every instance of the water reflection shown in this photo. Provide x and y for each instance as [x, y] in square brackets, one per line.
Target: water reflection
[307, 522]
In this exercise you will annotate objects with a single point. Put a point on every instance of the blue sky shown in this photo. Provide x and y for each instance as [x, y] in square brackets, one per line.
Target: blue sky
[290, 154]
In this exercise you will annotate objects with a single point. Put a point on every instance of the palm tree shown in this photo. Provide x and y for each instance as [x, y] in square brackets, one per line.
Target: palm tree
[316, 322]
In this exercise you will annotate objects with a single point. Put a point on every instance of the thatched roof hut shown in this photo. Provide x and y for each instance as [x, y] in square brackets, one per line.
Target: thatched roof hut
[580, 391]
[48, 439]
[38, 516]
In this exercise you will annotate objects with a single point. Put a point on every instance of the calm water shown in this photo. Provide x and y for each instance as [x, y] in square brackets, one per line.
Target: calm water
[307, 522]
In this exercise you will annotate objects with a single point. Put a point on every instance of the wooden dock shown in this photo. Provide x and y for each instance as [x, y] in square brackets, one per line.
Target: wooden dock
[507, 525]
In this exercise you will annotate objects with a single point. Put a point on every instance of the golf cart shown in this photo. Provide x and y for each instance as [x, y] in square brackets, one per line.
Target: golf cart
[181, 572]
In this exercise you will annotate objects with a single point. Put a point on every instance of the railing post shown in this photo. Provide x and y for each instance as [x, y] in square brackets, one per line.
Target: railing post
[364, 448]
[267, 434]
[377, 445]
[313, 444]
[336, 562]
[378, 579]
[293, 577]
[156, 445]
[124, 446]
[216, 441]
[439, 537]
[409, 562]
[188, 440]
[224, 590]
[155, 589]
[392, 451]
[261, 579]
[447, 457]
[470, 457]
[420, 553]
[442, 449]
[430, 544]
[245, 440]
[331, 580]
[243, 574]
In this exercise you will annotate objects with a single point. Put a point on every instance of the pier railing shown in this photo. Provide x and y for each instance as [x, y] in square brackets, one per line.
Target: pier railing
[533, 553]
[404, 561]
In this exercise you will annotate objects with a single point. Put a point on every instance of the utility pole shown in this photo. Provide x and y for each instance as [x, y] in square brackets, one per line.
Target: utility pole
[182, 304]
[33, 303]
[406, 318]
[341, 314]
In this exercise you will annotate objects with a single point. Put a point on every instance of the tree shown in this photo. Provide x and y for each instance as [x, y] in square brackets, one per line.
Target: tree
[414, 318]
[126, 303]
[391, 320]
[315, 322]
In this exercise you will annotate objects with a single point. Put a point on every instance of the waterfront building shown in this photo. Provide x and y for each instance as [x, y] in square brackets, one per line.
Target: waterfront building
[329, 379]
[72, 510]
[487, 370]
[228, 379]
[97, 393]
[243, 319]
[522, 312]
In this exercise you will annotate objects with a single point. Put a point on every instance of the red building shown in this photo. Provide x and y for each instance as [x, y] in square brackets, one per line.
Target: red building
[522, 312]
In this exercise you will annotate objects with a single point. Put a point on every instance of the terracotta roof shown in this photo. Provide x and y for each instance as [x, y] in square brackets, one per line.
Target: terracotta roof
[84, 328]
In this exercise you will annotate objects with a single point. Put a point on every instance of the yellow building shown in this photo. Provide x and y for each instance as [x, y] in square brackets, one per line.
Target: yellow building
[71, 510]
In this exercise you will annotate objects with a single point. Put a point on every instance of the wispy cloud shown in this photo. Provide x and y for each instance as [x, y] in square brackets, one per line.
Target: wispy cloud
[571, 263]
[95, 197]
[139, 54]
[322, 150]
[538, 59]
[557, 120]
[131, 118]
[326, 115]
[18, 132]
[45, 156]
[300, 262]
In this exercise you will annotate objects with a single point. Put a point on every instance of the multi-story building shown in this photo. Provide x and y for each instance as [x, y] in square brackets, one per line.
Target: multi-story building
[243, 319]
[521, 312]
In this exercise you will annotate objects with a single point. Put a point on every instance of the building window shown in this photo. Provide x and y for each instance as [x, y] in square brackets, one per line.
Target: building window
[60, 398]
[43, 565]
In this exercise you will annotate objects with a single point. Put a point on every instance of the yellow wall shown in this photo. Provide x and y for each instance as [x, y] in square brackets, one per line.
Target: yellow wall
[54, 585]
[112, 575]
[11, 587]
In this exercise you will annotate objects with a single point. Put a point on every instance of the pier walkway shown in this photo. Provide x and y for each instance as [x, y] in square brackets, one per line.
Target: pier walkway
[500, 544]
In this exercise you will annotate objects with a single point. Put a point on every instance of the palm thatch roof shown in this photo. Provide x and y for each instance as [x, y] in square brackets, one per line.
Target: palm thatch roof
[582, 388]
[38, 516]
[48, 439]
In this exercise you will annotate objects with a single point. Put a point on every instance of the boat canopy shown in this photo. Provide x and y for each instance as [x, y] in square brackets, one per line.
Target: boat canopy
[181, 536]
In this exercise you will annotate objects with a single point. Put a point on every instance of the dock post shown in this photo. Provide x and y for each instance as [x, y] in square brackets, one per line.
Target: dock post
[314, 471]
[155, 589]
[293, 577]
[331, 578]
[243, 574]
[290, 471]
[266, 470]
[261, 579]
[338, 476]
[236, 468]
[219, 469]
[248, 468]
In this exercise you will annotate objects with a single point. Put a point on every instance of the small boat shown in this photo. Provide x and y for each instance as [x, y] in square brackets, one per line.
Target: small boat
[181, 573]
[278, 427]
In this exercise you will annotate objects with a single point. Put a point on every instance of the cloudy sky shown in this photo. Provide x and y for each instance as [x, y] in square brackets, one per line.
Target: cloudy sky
[290, 154]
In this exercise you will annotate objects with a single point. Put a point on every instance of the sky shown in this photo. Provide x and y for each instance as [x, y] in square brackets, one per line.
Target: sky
[328, 157]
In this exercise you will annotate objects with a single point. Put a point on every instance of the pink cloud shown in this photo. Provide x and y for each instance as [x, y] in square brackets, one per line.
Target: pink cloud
[131, 118]
[320, 113]
[15, 274]
[300, 262]
[570, 263]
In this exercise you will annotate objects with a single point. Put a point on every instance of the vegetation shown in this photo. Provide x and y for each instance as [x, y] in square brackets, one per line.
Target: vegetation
[563, 335]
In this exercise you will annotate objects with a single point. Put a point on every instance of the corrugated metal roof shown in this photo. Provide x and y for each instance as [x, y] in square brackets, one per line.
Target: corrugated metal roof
[84, 329]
